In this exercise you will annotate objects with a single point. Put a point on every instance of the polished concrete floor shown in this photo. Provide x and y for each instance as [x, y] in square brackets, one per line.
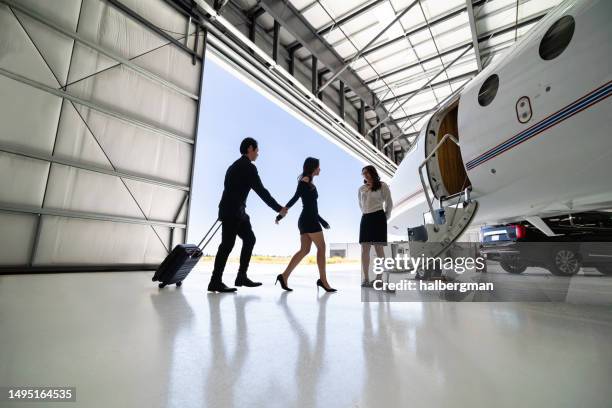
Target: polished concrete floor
[122, 342]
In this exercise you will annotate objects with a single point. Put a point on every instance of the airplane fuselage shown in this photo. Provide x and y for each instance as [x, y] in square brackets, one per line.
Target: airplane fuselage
[534, 128]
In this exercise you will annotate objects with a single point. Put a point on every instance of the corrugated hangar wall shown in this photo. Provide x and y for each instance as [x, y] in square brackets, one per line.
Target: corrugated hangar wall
[98, 119]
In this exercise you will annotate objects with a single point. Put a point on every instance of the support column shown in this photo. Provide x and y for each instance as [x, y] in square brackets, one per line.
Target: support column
[314, 75]
[342, 99]
[292, 62]
[275, 41]
[361, 117]
[252, 26]
[319, 82]
[197, 127]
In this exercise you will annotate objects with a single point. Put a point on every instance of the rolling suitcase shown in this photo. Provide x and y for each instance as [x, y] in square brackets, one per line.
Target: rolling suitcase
[177, 265]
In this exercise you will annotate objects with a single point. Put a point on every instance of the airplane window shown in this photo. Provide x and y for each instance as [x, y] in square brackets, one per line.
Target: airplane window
[557, 38]
[488, 90]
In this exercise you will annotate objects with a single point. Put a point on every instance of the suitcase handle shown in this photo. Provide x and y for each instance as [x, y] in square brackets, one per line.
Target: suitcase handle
[211, 237]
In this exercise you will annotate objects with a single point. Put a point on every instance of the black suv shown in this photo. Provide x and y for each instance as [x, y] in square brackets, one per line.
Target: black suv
[583, 239]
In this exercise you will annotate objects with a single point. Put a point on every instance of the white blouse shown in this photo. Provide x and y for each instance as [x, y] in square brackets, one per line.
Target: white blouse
[372, 201]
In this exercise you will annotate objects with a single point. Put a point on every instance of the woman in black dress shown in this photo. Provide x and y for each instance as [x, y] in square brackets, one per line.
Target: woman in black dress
[309, 224]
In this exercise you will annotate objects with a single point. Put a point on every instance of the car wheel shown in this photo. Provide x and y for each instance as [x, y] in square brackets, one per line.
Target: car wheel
[605, 270]
[513, 266]
[565, 262]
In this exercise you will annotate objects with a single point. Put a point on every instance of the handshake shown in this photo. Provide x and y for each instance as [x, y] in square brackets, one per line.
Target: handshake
[282, 213]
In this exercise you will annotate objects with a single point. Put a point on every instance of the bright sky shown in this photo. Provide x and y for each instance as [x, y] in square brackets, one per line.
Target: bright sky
[231, 111]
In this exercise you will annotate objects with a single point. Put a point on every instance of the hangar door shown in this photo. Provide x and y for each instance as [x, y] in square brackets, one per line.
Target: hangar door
[98, 121]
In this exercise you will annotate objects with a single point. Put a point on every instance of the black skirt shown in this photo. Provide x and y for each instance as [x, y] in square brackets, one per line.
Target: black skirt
[373, 228]
[309, 223]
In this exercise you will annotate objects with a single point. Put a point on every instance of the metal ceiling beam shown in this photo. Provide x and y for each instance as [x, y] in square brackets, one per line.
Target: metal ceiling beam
[471, 18]
[365, 48]
[442, 18]
[421, 88]
[516, 21]
[416, 64]
[443, 70]
[405, 135]
[484, 37]
[511, 27]
[433, 85]
[298, 26]
[456, 12]
[433, 40]
[343, 20]
[416, 114]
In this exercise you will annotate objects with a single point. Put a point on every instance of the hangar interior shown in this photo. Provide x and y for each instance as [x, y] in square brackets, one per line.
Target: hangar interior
[99, 109]
[100, 103]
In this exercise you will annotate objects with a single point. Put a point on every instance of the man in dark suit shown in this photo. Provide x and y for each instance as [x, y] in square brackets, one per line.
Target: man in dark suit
[240, 178]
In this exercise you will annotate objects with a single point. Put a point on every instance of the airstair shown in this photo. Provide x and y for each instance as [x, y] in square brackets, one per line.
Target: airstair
[445, 222]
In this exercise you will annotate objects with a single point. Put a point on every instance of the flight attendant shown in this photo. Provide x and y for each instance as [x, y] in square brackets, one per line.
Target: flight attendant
[376, 204]
[309, 224]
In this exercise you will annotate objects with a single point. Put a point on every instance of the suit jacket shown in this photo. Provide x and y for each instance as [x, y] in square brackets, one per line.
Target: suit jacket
[240, 178]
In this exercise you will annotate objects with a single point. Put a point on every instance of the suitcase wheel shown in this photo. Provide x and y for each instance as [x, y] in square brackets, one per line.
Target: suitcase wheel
[161, 285]
[179, 283]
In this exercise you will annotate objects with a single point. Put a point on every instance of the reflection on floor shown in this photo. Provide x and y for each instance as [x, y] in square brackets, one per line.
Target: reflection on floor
[122, 342]
[535, 284]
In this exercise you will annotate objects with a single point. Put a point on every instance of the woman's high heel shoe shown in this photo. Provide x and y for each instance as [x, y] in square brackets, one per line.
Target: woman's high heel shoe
[281, 279]
[320, 284]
